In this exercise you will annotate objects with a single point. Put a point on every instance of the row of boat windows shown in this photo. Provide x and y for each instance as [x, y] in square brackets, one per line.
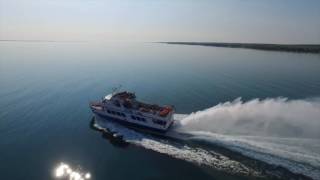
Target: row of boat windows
[156, 121]
[160, 122]
[116, 113]
[138, 118]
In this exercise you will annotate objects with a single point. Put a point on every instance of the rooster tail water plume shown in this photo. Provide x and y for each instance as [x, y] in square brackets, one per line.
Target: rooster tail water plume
[278, 117]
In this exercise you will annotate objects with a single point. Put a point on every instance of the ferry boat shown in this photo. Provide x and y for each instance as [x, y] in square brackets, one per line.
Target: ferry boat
[124, 108]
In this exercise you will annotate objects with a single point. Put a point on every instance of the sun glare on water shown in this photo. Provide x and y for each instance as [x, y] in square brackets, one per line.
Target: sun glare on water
[64, 171]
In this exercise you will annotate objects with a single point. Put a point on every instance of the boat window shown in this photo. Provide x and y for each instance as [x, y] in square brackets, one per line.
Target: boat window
[109, 111]
[138, 118]
[117, 103]
[118, 114]
[156, 121]
[123, 115]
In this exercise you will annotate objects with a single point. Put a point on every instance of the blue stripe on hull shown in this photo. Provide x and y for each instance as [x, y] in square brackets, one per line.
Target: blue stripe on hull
[132, 125]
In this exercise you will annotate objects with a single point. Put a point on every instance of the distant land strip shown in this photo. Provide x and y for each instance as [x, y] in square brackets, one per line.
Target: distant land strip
[298, 48]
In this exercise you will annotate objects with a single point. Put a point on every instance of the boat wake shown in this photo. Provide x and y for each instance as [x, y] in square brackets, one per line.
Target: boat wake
[277, 131]
[280, 132]
[177, 150]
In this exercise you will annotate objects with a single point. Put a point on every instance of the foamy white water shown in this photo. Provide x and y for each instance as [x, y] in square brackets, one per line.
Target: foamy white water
[276, 117]
[278, 131]
[297, 155]
[184, 152]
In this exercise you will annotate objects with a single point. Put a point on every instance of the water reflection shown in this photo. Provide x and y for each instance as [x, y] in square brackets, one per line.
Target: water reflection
[113, 137]
[64, 171]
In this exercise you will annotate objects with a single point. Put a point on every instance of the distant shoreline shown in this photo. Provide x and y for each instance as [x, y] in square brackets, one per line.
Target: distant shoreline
[298, 48]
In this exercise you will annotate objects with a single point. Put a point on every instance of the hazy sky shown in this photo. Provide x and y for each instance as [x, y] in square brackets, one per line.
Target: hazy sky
[269, 21]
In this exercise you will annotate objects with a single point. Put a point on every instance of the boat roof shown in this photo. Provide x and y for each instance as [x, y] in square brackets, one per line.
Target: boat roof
[128, 100]
[131, 98]
[124, 95]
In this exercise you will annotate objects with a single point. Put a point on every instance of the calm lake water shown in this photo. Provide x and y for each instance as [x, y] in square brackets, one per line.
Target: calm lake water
[46, 87]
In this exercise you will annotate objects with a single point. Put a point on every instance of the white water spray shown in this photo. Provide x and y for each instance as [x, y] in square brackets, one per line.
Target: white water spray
[184, 152]
[276, 130]
[278, 117]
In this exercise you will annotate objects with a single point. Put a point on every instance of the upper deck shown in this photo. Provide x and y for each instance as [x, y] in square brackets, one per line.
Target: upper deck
[128, 100]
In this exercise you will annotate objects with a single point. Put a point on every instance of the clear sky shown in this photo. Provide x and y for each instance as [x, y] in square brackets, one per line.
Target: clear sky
[262, 21]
